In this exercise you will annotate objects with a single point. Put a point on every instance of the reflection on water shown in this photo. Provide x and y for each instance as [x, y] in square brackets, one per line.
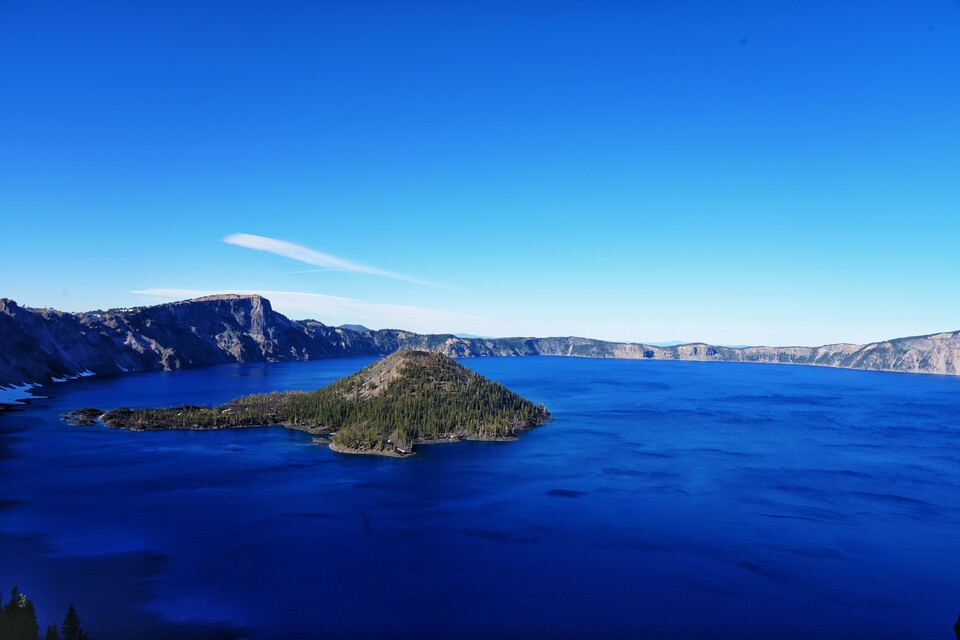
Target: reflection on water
[666, 499]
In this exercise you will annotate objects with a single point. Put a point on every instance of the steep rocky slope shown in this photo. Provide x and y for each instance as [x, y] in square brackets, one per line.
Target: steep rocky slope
[40, 345]
[43, 345]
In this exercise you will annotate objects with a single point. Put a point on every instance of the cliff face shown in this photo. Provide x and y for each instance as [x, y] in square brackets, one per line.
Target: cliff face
[39, 344]
[215, 329]
[42, 345]
[939, 353]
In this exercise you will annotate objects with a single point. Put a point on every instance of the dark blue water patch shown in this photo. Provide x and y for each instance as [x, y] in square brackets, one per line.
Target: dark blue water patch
[503, 537]
[820, 553]
[722, 452]
[779, 399]
[761, 570]
[6, 503]
[566, 493]
[891, 498]
[793, 517]
[666, 499]
[323, 516]
[644, 475]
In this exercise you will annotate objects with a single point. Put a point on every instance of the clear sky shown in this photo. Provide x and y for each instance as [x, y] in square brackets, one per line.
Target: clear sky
[756, 172]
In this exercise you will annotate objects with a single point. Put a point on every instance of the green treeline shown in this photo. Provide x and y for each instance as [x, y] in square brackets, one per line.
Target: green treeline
[430, 396]
[18, 621]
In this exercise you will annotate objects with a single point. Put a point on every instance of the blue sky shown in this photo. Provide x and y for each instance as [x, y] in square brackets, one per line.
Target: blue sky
[734, 172]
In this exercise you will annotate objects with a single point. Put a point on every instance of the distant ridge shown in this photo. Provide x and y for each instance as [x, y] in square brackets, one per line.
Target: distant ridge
[39, 346]
[354, 327]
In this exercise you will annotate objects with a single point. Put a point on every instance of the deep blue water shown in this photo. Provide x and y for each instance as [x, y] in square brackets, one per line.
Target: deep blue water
[666, 500]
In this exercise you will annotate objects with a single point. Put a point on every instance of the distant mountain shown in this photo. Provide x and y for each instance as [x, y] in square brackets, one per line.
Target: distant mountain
[39, 346]
[471, 336]
[354, 327]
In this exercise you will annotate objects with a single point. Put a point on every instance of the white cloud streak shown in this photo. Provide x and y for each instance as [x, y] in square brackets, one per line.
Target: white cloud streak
[335, 310]
[309, 256]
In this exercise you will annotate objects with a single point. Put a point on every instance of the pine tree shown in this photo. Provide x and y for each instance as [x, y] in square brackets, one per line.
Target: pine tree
[20, 618]
[52, 633]
[71, 629]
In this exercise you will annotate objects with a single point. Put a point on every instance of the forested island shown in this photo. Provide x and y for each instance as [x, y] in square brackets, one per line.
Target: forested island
[387, 408]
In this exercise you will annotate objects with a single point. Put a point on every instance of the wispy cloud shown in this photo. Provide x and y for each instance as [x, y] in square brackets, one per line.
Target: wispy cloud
[336, 310]
[309, 256]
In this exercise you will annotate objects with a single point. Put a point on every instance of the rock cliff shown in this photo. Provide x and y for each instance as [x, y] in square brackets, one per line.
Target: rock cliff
[42, 345]
[45, 345]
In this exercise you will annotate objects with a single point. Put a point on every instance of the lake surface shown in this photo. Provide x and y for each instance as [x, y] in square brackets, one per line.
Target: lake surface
[665, 500]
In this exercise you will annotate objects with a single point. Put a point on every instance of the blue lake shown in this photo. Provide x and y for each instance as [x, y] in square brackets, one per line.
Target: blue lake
[665, 500]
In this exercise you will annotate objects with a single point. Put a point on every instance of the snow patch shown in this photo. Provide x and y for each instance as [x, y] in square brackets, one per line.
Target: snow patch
[86, 374]
[13, 394]
[58, 379]
[123, 368]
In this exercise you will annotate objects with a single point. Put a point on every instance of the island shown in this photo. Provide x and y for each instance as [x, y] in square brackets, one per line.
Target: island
[387, 408]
